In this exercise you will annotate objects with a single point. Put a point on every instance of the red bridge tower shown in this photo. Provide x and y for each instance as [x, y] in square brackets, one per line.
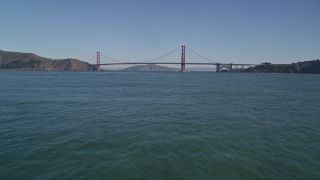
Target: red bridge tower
[98, 60]
[183, 58]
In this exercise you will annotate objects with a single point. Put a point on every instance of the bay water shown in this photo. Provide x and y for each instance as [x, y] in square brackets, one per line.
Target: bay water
[152, 125]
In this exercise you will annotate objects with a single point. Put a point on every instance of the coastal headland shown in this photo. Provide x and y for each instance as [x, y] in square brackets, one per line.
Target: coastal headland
[310, 67]
[30, 61]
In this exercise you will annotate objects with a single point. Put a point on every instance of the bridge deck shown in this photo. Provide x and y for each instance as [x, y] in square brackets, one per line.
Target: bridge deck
[168, 63]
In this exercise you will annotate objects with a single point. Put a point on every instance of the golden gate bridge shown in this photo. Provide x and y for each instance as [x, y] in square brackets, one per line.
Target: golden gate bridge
[228, 67]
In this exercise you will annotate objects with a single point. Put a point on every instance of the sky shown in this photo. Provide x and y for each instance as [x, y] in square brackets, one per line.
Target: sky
[237, 31]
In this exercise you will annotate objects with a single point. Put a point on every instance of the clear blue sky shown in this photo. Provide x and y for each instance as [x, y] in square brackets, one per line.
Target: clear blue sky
[244, 31]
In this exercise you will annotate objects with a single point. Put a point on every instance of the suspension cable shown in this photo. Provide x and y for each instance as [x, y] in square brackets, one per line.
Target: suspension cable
[194, 52]
[92, 58]
[162, 56]
[108, 57]
[153, 59]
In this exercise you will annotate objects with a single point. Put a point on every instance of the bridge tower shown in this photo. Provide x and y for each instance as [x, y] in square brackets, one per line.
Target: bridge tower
[218, 67]
[230, 67]
[183, 58]
[98, 60]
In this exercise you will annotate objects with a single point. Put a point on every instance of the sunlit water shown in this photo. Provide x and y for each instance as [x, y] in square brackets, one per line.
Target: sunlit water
[159, 125]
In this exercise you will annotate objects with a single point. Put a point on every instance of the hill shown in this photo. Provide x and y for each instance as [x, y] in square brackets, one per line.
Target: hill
[30, 61]
[312, 67]
[149, 67]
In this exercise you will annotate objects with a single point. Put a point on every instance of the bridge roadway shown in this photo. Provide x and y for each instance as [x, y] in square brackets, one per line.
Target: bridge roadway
[168, 63]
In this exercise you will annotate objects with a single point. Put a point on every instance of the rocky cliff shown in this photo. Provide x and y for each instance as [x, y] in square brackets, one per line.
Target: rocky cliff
[29, 61]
